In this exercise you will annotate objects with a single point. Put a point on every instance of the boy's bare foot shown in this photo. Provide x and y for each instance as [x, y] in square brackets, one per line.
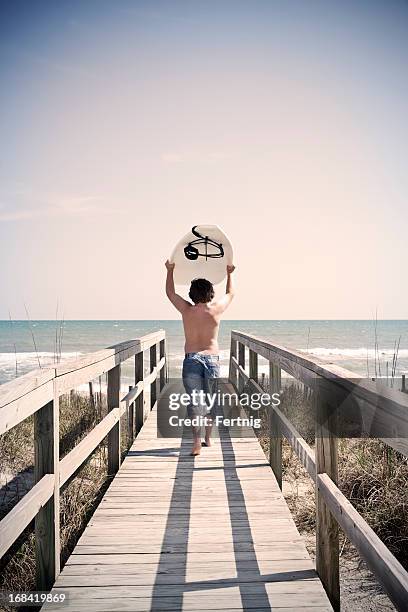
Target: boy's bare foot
[196, 450]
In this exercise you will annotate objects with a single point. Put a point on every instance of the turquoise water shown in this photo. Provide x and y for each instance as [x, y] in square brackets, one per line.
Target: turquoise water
[345, 342]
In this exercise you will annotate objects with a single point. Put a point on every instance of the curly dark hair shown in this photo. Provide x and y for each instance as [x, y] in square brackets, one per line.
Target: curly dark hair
[201, 291]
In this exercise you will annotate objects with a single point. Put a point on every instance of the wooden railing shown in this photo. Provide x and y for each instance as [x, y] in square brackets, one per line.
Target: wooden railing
[382, 411]
[37, 394]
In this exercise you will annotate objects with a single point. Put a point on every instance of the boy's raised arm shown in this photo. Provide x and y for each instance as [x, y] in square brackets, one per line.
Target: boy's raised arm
[226, 299]
[180, 303]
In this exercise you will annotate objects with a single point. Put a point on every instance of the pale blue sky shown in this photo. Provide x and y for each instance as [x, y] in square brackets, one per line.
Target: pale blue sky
[124, 123]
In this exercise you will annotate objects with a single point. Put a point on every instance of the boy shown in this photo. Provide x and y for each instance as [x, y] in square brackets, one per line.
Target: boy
[201, 321]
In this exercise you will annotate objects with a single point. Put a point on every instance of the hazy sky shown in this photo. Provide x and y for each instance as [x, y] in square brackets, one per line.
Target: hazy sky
[124, 123]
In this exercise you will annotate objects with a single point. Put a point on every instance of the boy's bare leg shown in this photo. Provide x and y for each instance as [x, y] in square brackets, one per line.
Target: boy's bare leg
[208, 430]
[196, 441]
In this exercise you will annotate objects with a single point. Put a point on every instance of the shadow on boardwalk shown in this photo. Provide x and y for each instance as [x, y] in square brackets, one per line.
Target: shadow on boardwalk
[253, 593]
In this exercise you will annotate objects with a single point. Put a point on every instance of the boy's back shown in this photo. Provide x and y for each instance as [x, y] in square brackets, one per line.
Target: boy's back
[201, 324]
[201, 320]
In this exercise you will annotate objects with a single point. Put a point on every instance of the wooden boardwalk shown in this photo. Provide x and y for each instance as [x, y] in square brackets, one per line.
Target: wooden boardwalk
[174, 532]
[211, 533]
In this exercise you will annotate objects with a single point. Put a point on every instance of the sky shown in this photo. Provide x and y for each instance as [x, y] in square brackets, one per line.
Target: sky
[125, 123]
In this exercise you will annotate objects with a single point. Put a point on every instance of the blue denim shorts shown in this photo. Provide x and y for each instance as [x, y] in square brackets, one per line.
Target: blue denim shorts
[200, 373]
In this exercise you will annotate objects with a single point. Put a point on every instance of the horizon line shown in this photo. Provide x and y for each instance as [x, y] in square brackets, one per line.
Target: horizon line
[180, 320]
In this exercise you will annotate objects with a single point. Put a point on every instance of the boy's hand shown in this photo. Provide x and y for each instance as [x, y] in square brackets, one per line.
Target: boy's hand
[230, 269]
[169, 266]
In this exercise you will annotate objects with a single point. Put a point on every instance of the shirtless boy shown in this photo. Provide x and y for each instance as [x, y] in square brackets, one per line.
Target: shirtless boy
[201, 321]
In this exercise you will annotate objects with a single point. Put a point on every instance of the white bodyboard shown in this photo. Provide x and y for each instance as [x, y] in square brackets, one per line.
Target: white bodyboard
[213, 269]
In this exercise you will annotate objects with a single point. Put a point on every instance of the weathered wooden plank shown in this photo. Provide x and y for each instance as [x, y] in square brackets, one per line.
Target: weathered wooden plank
[139, 400]
[285, 590]
[203, 565]
[22, 397]
[113, 394]
[14, 523]
[242, 375]
[152, 378]
[80, 453]
[46, 461]
[293, 571]
[202, 597]
[154, 374]
[253, 365]
[162, 362]
[277, 551]
[139, 605]
[327, 531]
[174, 548]
[134, 392]
[232, 376]
[275, 433]
[305, 454]
[216, 501]
[179, 603]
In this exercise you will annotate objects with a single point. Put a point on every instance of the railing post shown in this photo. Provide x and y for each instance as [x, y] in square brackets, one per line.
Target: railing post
[232, 374]
[113, 398]
[162, 354]
[130, 416]
[241, 361]
[253, 365]
[153, 386]
[139, 403]
[275, 434]
[47, 521]
[327, 531]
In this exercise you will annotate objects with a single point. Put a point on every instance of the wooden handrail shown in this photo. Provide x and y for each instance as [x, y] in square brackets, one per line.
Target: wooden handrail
[383, 411]
[14, 523]
[25, 395]
[80, 453]
[240, 369]
[141, 385]
[73, 373]
[21, 397]
[332, 507]
[134, 392]
[302, 449]
[37, 393]
[300, 446]
[378, 557]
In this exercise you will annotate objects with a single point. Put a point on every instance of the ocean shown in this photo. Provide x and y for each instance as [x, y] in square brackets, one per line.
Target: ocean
[348, 343]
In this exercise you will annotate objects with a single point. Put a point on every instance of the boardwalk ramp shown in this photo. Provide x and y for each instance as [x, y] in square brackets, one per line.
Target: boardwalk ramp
[175, 532]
